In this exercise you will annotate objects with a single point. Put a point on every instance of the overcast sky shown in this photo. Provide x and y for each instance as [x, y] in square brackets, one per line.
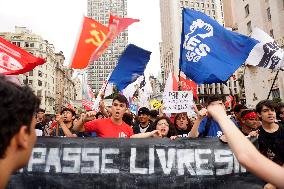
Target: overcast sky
[58, 21]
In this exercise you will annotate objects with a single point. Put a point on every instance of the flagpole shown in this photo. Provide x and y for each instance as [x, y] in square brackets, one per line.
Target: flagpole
[179, 84]
[180, 52]
[273, 83]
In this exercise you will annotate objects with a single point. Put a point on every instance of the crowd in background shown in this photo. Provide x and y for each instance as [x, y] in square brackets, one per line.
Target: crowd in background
[18, 105]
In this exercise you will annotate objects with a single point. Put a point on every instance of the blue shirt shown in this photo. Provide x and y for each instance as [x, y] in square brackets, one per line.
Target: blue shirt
[214, 129]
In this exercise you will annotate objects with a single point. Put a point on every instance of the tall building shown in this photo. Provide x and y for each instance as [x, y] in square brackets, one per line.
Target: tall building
[100, 11]
[171, 24]
[268, 16]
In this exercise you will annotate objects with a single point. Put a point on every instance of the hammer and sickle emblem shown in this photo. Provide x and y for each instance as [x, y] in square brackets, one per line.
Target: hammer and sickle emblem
[97, 41]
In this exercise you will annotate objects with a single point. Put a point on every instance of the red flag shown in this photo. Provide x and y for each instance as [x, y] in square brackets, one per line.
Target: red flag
[175, 82]
[188, 85]
[70, 106]
[14, 60]
[229, 101]
[88, 105]
[115, 27]
[92, 36]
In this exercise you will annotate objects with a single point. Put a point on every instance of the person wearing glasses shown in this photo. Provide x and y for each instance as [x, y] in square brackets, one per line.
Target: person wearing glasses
[165, 127]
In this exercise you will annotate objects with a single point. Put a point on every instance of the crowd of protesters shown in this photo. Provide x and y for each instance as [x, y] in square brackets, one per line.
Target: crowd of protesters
[265, 122]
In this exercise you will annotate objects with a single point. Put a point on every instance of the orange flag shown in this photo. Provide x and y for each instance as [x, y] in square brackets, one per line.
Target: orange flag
[92, 36]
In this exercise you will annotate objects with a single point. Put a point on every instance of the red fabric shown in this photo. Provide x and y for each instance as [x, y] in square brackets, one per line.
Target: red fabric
[188, 85]
[14, 60]
[229, 101]
[53, 124]
[115, 27]
[92, 36]
[250, 115]
[70, 106]
[88, 105]
[175, 82]
[105, 128]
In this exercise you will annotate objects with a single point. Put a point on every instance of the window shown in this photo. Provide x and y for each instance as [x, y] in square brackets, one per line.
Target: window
[39, 73]
[30, 82]
[247, 10]
[268, 13]
[32, 44]
[275, 93]
[26, 44]
[271, 33]
[31, 73]
[249, 27]
[39, 83]
[16, 43]
[39, 93]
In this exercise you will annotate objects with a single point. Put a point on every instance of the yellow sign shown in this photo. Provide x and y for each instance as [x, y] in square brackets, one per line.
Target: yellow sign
[155, 104]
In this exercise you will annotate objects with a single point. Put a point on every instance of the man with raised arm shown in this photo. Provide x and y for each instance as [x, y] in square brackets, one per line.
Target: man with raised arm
[245, 151]
[112, 127]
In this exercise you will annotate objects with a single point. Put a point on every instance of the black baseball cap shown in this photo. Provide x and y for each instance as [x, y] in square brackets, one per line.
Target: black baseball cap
[144, 110]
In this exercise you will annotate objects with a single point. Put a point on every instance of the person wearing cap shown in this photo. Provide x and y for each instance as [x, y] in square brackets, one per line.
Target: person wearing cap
[64, 126]
[144, 124]
[249, 121]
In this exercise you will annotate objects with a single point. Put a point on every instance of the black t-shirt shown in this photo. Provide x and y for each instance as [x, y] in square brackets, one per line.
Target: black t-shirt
[182, 133]
[271, 145]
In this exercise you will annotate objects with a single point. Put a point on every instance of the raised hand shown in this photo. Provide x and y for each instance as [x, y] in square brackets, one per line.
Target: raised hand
[89, 116]
[156, 134]
[59, 118]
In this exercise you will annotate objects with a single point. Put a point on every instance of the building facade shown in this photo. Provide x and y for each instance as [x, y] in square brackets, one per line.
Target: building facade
[42, 78]
[267, 15]
[171, 25]
[51, 82]
[99, 70]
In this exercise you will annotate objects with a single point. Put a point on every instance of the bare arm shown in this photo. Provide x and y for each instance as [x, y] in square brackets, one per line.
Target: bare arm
[67, 131]
[104, 110]
[200, 115]
[245, 151]
[79, 126]
[60, 123]
[155, 133]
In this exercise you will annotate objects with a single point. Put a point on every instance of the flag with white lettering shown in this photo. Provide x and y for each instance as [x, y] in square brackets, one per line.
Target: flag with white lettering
[209, 52]
[14, 60]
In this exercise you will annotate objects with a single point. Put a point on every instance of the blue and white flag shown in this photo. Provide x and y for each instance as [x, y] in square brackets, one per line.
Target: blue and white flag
[209, 52]
[131, 65]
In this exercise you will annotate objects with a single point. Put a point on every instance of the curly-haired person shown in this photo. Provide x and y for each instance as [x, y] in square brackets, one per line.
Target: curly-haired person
[18, 106]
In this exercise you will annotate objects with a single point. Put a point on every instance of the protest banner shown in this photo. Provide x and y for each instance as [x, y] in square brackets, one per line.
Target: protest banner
[132, 163]
[178, 102]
